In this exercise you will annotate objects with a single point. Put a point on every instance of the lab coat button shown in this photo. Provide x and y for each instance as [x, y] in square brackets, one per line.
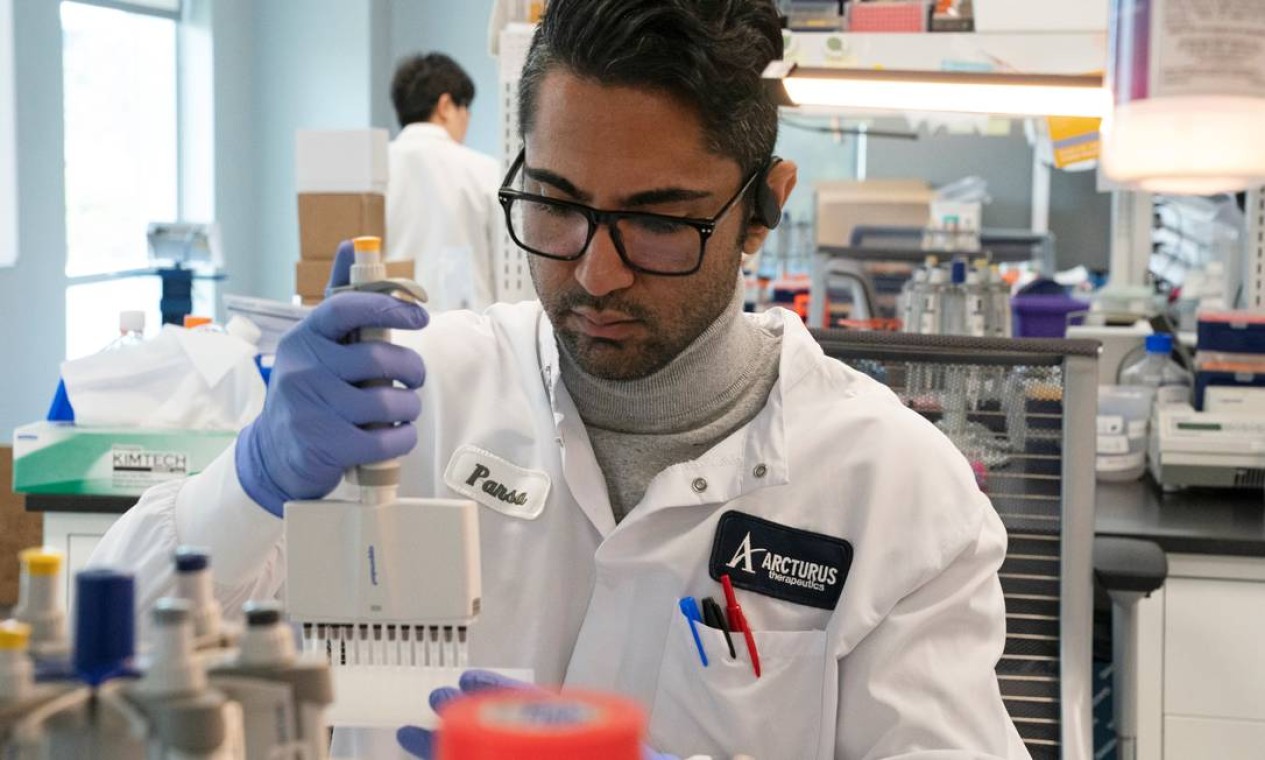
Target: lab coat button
[760, 471]
[699, 485]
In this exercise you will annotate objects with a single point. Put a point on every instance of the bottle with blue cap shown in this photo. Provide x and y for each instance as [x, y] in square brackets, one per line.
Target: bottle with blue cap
[193, 583]
[1157, 370]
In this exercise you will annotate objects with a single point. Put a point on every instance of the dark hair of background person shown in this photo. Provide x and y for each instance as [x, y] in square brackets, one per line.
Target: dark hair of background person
[419, 82]
[706, 53]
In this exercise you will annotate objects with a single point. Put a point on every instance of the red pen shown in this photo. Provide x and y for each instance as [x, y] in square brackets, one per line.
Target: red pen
[738, 622]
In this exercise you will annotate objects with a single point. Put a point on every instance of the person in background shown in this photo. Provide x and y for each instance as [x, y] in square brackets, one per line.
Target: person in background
[442, 210]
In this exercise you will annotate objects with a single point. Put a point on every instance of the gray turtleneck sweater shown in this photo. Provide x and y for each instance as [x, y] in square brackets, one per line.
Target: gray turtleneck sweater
[641, 427]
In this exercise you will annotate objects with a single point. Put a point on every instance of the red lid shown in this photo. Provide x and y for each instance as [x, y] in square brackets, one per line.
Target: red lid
[537, 725]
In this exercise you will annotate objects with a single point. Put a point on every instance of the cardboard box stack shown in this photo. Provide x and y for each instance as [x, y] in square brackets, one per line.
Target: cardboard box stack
[19, 530]
[341, 178]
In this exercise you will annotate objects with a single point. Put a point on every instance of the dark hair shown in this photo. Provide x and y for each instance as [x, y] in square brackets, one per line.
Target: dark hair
[419, 82]
[707, 53]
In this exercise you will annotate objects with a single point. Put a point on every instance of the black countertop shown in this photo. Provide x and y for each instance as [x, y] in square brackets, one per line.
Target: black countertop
[47, 502]
[1193, 521]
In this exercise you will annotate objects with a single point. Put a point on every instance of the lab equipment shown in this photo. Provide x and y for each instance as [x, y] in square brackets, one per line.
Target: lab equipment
[1217, 449]
[953, 301]
[538, 725]
[1124, 413]
[929, 317]
[284, 697]
[194, 584]
[1039, 315]
[554, 733]
[1157, 370]
[131, 330]
[1038, 399]
[189, 697]
[301, 444]
[39, 603]
[365, 592]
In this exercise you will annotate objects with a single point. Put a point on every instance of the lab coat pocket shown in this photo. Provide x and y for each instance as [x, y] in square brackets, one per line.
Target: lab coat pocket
[724, 710]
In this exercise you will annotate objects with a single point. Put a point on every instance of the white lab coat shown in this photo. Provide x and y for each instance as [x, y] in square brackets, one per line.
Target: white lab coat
[902, 667]
[442, 213]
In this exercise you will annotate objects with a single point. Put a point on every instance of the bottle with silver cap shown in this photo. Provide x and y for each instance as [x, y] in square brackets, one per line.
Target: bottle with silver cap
[283, 696]
[186, 718]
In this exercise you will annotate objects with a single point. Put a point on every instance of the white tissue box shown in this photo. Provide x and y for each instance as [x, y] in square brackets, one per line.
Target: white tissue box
[63, 458]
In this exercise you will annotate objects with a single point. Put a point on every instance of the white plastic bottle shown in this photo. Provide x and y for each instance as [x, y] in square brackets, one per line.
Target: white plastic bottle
[953, 305]
[976, 305]
[1157, 370]
[131, 330]
[929, 315]
[911, 296]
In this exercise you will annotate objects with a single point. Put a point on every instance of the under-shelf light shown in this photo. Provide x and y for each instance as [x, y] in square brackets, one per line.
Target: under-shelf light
[1001, 94]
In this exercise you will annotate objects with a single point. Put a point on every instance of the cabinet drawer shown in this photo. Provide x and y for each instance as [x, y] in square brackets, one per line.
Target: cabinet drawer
[1186, 738]
[1214, 649]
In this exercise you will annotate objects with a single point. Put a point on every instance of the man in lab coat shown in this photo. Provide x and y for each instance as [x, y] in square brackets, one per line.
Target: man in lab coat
[441, 199]
[642, 436]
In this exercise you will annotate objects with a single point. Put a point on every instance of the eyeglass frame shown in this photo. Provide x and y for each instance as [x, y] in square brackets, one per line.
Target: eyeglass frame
[601, 217]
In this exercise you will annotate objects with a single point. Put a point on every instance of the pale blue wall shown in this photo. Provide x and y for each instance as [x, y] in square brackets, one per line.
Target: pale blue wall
[457, 28]
[32, 294]
[311, 70]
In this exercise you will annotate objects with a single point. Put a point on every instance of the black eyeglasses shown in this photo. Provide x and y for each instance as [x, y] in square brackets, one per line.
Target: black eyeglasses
[651, 243]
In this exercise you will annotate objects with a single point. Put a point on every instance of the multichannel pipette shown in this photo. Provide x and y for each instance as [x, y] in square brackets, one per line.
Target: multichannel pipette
[384, 580]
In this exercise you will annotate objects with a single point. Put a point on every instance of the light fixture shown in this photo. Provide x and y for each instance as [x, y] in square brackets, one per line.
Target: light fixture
[889, 90]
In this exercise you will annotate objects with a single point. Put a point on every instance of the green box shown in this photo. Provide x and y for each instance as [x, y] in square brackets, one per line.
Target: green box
[62, 458]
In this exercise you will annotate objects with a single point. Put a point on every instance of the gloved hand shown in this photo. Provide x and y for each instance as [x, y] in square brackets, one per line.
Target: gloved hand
[420, 742]
[309, 431]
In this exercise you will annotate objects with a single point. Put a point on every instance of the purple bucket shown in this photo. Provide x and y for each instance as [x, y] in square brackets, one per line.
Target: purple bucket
[1043, 316]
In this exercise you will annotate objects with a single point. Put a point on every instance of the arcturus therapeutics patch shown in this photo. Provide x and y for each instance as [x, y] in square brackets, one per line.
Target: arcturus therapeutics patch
[496, 483]
[779, 561]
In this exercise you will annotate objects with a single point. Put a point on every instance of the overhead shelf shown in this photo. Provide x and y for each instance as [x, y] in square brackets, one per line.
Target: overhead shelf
[1029, 53]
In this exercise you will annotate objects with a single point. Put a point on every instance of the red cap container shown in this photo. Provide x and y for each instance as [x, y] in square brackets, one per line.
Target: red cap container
[534, 725]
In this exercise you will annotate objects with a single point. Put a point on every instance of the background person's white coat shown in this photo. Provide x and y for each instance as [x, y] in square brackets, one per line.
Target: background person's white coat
[902, 667]
[443, 214]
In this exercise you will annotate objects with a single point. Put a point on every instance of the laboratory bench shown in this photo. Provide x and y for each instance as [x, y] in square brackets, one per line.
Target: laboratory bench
[1227, 522]
[1200, 677]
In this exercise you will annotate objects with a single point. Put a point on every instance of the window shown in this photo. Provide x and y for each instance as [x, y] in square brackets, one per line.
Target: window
[8, 149]
[122, 148]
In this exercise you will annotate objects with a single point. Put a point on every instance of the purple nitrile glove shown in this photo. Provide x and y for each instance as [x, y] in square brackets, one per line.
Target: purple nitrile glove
[310, 430]
[420, 743]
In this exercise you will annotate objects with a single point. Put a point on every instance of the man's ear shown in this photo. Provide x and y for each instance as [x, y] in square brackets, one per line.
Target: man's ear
[445, 109]
[779, 181]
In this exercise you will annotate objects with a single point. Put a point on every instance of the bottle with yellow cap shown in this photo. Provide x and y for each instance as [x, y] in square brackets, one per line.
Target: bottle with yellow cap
[17, 674]
[39, 602]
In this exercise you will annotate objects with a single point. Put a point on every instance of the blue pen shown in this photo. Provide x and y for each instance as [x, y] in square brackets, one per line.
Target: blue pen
[689, 608]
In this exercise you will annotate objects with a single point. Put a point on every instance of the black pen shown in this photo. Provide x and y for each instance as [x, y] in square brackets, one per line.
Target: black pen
[714, 617]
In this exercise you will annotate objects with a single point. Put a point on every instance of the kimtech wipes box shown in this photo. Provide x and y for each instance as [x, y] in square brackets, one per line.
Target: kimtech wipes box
[62, 458]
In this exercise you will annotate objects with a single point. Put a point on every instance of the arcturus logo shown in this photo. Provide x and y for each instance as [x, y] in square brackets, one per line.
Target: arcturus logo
[780, 561]
[493, 488]
[783, 569]
[743, 555]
